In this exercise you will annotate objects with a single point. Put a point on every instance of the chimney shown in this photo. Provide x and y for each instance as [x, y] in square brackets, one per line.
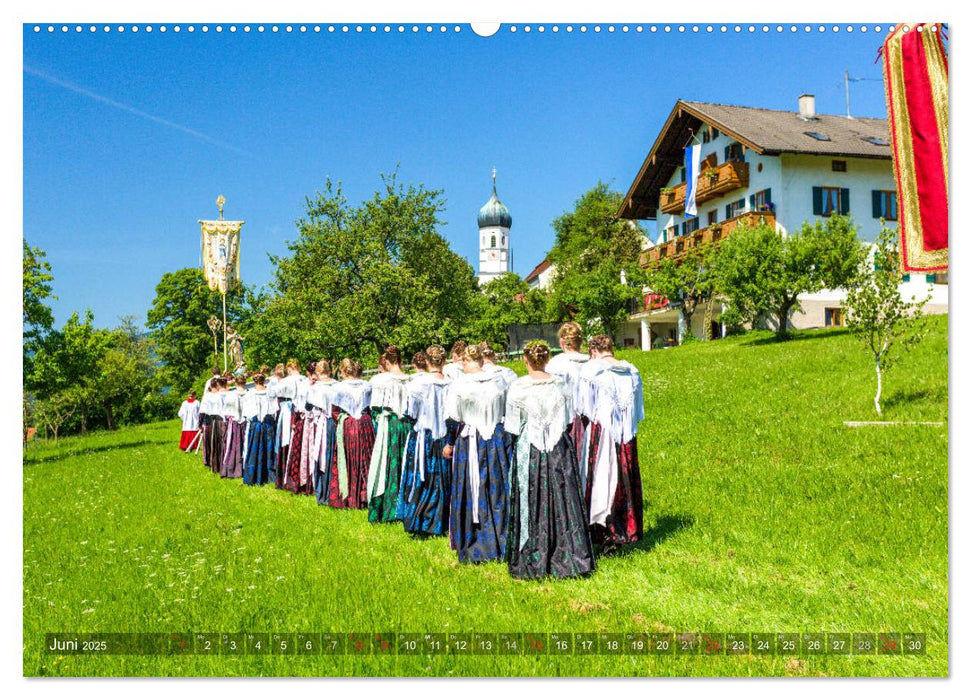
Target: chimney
[807, 106]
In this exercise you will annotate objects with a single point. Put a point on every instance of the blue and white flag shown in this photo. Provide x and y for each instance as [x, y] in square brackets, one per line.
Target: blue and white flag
[692, 162]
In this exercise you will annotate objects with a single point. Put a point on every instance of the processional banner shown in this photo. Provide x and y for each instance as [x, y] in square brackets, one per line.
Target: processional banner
[915, 75]
[220, 254]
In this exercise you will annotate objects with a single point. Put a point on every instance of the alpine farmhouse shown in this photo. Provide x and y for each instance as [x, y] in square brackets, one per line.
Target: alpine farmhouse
[780, 167]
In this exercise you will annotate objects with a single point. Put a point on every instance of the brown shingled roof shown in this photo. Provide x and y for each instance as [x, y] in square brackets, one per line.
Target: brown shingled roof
[765, 131]
[538, 270]
[773, 131]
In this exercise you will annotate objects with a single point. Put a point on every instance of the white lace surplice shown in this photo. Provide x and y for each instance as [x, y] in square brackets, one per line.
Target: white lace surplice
[258, 404]
[538, 411]
[352, 396]
[568, 365]
[613, 398]
[321, 395]
[390, 391]
[478, 401]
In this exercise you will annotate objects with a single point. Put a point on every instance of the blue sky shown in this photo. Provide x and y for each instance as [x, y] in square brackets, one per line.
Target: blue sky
[129, 138]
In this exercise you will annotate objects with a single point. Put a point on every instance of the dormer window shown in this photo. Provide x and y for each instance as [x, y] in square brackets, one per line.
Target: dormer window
[876, 141]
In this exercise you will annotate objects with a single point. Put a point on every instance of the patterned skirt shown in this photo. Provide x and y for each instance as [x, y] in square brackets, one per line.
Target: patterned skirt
[625, 522]
[321, 477]
[486, 539]
[357, 435]
[215, 437]
[390, 440]
[424, 497]
[548, 532]
[231, 466]
[260, 452]
[292, 480]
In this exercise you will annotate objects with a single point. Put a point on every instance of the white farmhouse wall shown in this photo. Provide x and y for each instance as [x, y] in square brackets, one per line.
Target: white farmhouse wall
[800, 173]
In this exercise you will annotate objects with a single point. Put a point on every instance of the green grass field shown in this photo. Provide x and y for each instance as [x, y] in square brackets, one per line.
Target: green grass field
[763, 513]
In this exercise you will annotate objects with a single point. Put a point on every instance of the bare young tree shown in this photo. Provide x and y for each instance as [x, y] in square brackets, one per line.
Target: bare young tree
[887, 324]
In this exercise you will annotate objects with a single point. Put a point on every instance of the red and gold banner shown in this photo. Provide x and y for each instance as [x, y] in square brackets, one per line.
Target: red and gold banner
[915, 75]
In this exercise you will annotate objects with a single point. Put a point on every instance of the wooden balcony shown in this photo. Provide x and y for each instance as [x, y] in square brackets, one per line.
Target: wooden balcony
[728, 176]
[710, 234]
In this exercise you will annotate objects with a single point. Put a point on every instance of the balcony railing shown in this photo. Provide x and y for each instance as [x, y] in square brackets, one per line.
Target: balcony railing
[727, 177]
[710, 234]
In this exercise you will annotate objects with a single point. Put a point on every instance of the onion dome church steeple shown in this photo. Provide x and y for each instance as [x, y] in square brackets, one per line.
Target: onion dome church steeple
[494, 223]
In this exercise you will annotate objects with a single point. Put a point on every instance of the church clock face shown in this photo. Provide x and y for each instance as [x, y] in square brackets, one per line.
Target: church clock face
[493, 255]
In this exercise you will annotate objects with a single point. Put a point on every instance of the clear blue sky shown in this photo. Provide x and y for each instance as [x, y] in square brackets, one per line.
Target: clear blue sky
[128, 138]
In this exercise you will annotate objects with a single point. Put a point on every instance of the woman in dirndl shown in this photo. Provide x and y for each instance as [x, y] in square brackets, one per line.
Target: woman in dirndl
[214, 425]
[614, 404]
[480, 451]
[319, 430]
[389, 404]
[426, 475]
[234, 453]
[548, 528]
[298, 478]
[567, 366]
[285, 391]
[259, 409]
[353, 438]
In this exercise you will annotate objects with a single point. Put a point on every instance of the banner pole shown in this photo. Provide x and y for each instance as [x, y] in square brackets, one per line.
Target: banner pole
[225, 365]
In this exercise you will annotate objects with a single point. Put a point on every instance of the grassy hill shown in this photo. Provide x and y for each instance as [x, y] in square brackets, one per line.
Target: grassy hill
[763, 513]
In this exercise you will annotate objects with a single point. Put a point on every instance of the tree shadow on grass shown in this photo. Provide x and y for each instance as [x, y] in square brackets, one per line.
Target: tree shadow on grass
[795, 336]
[666, 526]
[902, 398]
[83, 451]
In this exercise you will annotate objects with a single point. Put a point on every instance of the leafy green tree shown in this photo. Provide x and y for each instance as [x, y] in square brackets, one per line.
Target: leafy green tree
[597, 261]
[763, 272]
[687, 280]
[177, 320]
[68, 365]
[53, 412]
[360, 277]
[887, 324]
[38, 318]
[127, 372]
[505, 301]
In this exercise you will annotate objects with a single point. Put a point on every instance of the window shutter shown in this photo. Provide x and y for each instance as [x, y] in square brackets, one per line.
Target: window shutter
[929, 279]
[728, 151]
[728, 211]
[877, 197]
[751, 202]
[844, 201]
[905, 278]
[818, 201]
[768, 195]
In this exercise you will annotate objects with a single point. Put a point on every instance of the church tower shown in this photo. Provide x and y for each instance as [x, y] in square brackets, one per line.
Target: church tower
[494, 224]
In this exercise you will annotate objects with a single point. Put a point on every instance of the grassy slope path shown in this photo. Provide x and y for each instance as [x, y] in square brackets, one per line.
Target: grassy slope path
[763, 513]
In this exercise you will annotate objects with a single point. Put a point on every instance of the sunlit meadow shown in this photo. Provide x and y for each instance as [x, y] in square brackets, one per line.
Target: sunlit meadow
[763, 513]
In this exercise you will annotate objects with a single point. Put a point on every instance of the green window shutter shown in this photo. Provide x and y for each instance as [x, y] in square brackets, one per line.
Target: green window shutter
[844, 201]
[728, 211]
[751, 202]
[728, 151]
[877, 197]
[818, 201]
[768, 195]
[905, 278]
[929, 279]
